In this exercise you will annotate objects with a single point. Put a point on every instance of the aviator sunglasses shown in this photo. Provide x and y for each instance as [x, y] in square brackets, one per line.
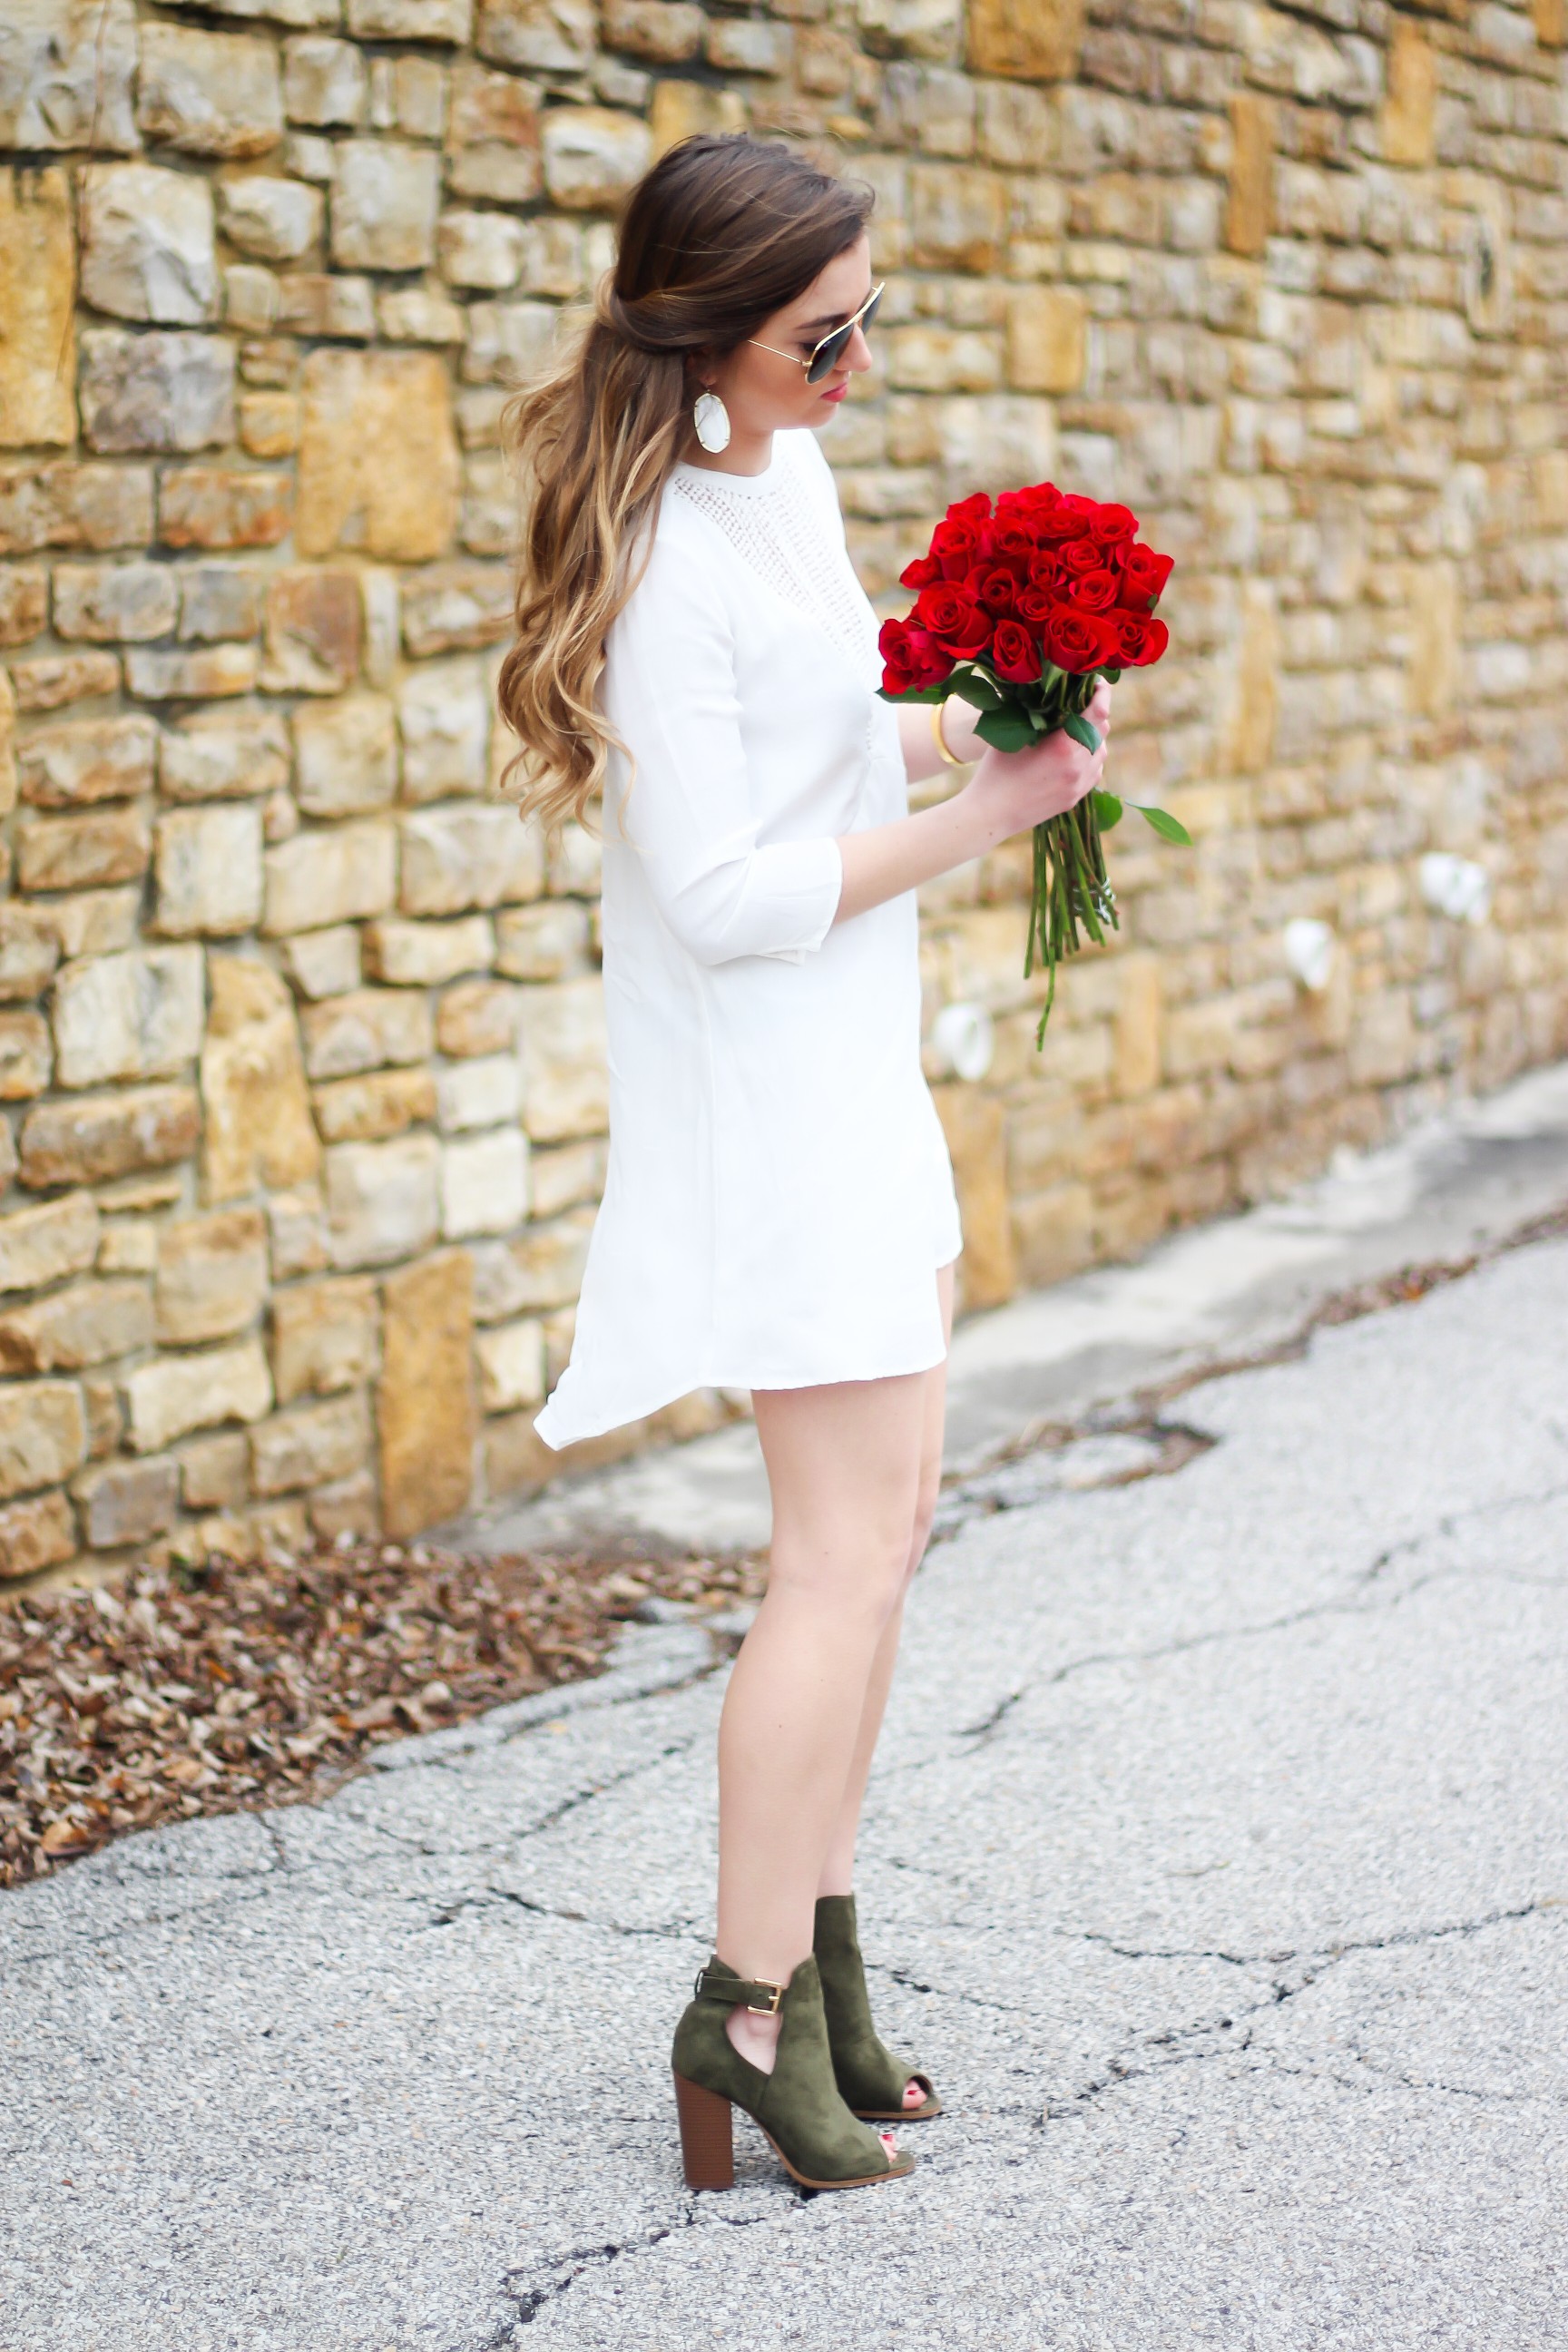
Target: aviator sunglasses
[827, 353]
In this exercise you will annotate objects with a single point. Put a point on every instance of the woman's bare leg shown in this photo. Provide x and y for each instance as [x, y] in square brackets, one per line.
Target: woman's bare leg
[844, 1467]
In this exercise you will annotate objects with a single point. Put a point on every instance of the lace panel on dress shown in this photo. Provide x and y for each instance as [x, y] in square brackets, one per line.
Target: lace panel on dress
[782, 538]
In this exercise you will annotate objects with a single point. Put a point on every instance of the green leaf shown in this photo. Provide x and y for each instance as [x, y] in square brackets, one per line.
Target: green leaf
[1006, 730]
[915, 694]
[977, 690]
[1168, 827]
[1081, 731]
[1107, 810]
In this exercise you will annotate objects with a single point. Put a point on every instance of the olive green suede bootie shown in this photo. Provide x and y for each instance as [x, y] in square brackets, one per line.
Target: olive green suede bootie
[871, 2078]
[813, 2134]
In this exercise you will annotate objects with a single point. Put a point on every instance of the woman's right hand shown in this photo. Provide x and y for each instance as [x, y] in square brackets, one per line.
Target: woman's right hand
[1011, 792]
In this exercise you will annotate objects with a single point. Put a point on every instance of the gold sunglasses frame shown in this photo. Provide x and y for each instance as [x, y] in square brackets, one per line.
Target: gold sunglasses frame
[847, 330]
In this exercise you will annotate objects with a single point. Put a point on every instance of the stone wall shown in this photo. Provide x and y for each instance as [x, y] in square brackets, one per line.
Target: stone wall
[299, 1048]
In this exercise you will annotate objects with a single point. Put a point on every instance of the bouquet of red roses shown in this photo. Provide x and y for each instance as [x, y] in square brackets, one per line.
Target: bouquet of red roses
[1022, 609]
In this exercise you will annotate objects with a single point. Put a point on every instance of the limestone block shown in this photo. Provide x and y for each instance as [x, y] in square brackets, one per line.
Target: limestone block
[87, 1324]
[147, 244]
[314, 624]
[215, 1472]
[345, 755]
[83, 760]
[680, 109]
[958, 217]
[549, 36]
[43, 1435]
[912, 28]
[384, 199]
[414, 314]
[1046, 337]
[455, 605]
[382, 1200]
[165, 392]
[592, 155]
[251, 298]
[1409, 121]
[458, 856]
[322, 963]
[746, 45]
[510, 1361]
[45, 1243]
[52, 680]
[1247, 736]
[423, 955]
[212, 1276]
[208, 93]
[1435, 644]
[323, 81]
[492, 139]
[98, 1137]
[378, 455]
[484, 1183]
[154, 675]
[310, 1446]
[1249, 201]
[665, 32]
[975, 1124]
[509, 342]
[312, 303]
[1006, 438]
[1017, 125]
[565, 1085]
[30, 949]
[176, 1394]
[23, 605]
[219, 601]
[26, 1061]
[257, 1126]
[72, 853]
[275, 220]
[109, 601]
[445, 21]
[338, 876]
[548, 1261]
[444, 718]
[478, 1016]
[222, 755]
[1027, 40]
[943, 359]
[381, 1103]
[543, 942]
[1138, 1036]
[37, 1534]
[38, 285]
[66, 72]
[480, 1093]
[94, 922]
[425, 1402]
[207, 867]
[71, 505]
[323, 1337]
[130, 1503]
[480, 251]
[365, 1030]
[217, 507]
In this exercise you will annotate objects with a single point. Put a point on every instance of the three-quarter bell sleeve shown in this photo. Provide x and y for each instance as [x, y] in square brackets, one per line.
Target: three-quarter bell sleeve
[688, 812]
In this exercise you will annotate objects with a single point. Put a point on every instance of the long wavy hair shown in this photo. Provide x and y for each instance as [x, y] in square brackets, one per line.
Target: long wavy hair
[719, 234]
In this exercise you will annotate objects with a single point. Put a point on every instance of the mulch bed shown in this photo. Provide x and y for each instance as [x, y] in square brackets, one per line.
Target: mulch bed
[200, 1689]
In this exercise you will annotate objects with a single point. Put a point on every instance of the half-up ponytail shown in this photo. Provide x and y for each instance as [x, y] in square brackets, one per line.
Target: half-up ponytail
[722, 233]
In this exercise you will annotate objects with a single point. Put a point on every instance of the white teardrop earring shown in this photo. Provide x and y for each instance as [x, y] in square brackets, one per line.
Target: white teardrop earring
[712, 419]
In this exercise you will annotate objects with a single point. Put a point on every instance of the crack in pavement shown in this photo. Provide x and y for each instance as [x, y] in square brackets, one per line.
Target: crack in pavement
[572, 2266]
[678, 1931]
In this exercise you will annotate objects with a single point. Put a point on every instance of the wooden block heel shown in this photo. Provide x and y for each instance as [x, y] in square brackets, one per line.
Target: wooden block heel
[706, 2135]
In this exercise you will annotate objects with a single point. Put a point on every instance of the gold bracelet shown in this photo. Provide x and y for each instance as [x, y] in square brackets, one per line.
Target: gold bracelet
[952, 758]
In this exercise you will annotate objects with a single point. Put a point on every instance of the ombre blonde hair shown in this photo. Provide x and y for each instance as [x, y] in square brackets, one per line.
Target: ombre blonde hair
[723, 232]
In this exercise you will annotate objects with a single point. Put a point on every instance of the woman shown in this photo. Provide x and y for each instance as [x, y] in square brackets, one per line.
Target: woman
[779, 1212]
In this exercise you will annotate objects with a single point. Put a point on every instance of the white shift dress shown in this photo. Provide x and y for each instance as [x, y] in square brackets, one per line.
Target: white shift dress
[779, 1194]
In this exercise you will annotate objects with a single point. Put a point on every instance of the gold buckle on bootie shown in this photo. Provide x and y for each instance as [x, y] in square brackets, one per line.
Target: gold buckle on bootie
[764, 1999]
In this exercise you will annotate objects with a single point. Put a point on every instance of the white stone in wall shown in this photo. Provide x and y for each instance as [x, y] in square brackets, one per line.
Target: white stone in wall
[384, 206]
[137, 1016]
[480, 1093]
[275, 220]
[382, 1200]
[480, 251]
[459, 857]
[207, 867]
[443, 716]
[147, 248]
[484, 1183]
[66, 74]
[511, 1365]
[345, 756]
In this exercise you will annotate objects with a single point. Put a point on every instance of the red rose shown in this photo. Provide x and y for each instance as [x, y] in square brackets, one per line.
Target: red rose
[921, 572]
[1093, 591]
[1036, 601]
[1144, 574]
[955, 546]
[1141, 639]
[1045, 571]
[997, 589]
[911, 658]
[1081, 555]
[953, 619]
[1061, 522]
[974, 508]
[1114, 526]
[1078, 641]
[1076, 503]
[1015, 655]
[1011, 543]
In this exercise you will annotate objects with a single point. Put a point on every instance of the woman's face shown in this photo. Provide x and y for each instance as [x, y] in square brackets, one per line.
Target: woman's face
[766, 394]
